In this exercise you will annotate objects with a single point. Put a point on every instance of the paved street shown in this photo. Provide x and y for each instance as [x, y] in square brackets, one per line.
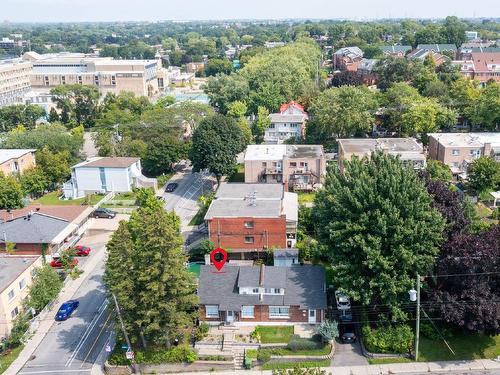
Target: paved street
[348, 355]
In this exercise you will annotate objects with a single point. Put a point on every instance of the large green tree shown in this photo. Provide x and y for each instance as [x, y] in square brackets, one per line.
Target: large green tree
[216, 142]
[20, 114]
[146, 271]
[379, 228]
[77, 102]
[46, 286]
[34, 182]
[11, 192]
[54, 165]
[484, 174]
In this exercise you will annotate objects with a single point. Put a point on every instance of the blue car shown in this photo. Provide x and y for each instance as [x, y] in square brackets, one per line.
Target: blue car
[66, 309]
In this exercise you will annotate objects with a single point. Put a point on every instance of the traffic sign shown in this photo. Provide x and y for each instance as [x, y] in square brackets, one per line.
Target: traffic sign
[130, 354]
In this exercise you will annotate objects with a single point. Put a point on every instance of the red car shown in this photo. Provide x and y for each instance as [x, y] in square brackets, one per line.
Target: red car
[56, 263]
[82, 251]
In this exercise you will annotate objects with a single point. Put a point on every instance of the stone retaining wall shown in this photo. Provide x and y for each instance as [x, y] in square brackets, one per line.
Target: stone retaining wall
[172, 368]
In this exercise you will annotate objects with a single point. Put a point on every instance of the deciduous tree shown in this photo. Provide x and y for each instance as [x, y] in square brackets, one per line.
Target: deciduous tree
[484, 174]
[46, 286]
[11, 192]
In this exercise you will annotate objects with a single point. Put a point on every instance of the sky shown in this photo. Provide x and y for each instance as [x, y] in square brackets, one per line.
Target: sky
[156, 10]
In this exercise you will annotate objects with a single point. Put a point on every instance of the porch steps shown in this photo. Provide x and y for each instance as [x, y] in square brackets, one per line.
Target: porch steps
[239, 358]
[227, 342]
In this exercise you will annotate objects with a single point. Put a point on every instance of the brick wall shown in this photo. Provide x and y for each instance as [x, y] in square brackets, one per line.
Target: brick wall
[25, 249]
[266, 232]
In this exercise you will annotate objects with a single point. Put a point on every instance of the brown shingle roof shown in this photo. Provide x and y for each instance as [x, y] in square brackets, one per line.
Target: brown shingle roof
[68, 213]
[111, 162]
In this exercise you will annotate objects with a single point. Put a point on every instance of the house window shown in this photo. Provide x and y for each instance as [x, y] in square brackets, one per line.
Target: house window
[249, 224]
[255, 290]
[268, 291]
[249, 239]
[271, 126]
[475, 152]
[264, 164]
[22, 284]
[14, 312]
[212, 311]
[277, 291]
[102, 174]
[11, 294]
[293, 164]
[455, 152]
[279, 312]
[247, 312]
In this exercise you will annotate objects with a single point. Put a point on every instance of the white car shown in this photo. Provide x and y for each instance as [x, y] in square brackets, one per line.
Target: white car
[343, 301]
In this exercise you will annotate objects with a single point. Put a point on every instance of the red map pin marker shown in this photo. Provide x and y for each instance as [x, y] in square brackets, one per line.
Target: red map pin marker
[218, 257]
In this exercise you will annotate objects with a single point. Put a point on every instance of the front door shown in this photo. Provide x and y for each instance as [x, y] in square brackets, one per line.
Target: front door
[229, 316]
[312, 316]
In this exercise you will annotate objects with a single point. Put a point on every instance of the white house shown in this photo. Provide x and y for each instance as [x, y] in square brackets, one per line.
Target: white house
[289, 123]
[104, 175]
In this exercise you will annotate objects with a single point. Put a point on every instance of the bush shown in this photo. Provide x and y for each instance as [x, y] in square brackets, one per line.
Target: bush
[388, 339]
[328, 330]
[201, 331]
[427, 330]
[163, 179]
[496, 214]
[264, 355]
[298, 343]
[177, 354]
[21, 325]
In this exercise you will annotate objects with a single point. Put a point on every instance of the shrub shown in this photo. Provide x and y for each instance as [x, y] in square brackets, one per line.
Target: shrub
[264, 355]
[388, 339]
[328, 330]
[297, 343]
[496, 214]
[201, 331]
[255, 334]
[21, 325]
[427, 330]
[157, 356]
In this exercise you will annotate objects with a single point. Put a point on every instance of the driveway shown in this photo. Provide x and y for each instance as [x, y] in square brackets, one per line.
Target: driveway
[348, 355]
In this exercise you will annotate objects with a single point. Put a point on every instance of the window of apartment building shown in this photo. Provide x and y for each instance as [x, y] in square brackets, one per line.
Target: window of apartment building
[22, 284]
[249, 224]
[293, 125]
[113, 80]
[212, 311]
[14, 312]
[279, 312]
[80, 80]
[255, 290]
[277, 290]
[46, 80]
[63, 80]
[271, 126]
[247, 311]
[249, 239]
[11, 294]
[293, 164]
[476, 153]
[455, 152]
[264, 164]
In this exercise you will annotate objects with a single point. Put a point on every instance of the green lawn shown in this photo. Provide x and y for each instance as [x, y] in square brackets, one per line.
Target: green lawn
[482, 211]
[6, 360]
[310, 352]
[53, 200]
[276, 366]
[274, 334]
[383, 361]
[306, 197]
[198, 218]
[465, 346]
[239, 176]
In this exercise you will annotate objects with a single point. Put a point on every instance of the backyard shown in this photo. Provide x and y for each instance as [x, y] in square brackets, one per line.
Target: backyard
[238, 175]
[52, 199]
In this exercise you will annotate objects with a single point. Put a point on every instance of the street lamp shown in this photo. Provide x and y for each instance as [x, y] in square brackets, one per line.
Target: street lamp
[415, 297]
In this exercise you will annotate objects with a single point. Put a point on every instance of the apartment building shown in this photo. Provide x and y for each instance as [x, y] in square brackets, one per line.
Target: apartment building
[142, 77]
[14, 81]
[289, 123]
[252, 217]
[298, 167]
[407, 149]
[15, 279]
[458, 150]
[16, 160]
[481, 66]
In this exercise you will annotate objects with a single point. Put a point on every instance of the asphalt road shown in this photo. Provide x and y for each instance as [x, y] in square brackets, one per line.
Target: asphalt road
[74, 345]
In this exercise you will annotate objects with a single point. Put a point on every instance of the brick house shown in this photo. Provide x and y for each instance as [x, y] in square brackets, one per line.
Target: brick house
[249, 295]
[252, 217]
[347, 59]
[13, 161]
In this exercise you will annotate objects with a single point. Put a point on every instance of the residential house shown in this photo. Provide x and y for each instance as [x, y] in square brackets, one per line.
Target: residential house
[289, 123]
[15, 280]
[298, 167]
[458, 150]
[365, 71]
[395, 50]
[249, 295]
[104, 175]
[347, 59]
[407, 149]
[422, 54]
[195, 67]
[439, 48]
[248, 218]
[466, 52]
[482, 66]
[38, 229]
[14, 161]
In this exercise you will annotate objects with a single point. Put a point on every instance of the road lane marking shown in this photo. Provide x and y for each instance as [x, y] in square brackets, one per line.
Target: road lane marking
[86, 334]
[96, 339]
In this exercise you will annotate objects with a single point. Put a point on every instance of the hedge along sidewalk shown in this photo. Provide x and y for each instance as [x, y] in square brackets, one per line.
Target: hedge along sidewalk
[46, 322]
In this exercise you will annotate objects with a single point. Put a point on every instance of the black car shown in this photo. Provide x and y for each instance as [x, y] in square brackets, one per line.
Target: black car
[171, 187]
[104, 213]
[347, 333]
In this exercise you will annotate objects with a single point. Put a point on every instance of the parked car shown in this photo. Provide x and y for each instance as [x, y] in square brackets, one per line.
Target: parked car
[171, 187]
[347, 333]
[343, 302]
[57, 263]
[104, 213]
[82, 251]
[66, 309]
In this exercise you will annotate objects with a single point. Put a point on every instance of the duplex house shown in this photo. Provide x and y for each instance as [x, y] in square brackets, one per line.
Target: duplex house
[458, 150]
[249, 295]
[37, 230]
[407, 149]
[104, 175]
[289, 123]
[16, 160]
[481, 66]
[15, 279]
[248, 218]
[395, 50]
[298, 167]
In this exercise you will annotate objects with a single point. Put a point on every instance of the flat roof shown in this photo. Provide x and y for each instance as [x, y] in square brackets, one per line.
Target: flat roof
[12, 267]
[107, 162]
[277, 152]
[368, 145]
[7, 154]
[241, 190]
[467, 139]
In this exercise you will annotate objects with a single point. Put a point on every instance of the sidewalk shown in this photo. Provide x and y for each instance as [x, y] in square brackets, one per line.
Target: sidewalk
[46, 322]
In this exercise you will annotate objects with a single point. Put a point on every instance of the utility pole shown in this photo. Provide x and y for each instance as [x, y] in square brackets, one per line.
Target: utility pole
[134, 365]
[417, 328]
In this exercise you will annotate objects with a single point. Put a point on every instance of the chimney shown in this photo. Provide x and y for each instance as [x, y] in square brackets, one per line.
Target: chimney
[261, 277]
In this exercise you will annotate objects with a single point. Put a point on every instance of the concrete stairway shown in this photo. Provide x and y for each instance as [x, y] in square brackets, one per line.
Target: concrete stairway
[239, 358]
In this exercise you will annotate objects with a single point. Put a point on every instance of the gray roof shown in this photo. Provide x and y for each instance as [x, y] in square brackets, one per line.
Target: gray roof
[278, 117]
[273, 277]
[304, 287]
[304, 151]
[240, 190]
[395, 49]
[12, 267]
[38, 228]
[350, 51]
[244, 208]
[438, 47]
[285, 253]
